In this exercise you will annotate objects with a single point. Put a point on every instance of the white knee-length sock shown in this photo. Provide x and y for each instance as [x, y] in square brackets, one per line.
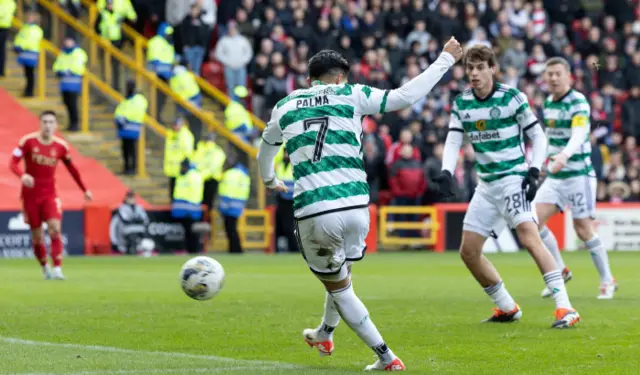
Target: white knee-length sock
[555, 283]
[501, 297]
[356, 316]
[600, 258]
[330, 319]
[549, 240]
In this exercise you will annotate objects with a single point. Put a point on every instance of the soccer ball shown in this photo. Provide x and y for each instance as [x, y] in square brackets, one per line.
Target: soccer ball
[202, 278]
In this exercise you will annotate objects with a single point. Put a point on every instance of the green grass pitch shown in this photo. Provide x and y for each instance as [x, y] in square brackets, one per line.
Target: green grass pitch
[129, 316]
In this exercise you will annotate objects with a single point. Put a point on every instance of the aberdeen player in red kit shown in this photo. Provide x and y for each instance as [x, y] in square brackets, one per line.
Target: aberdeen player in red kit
[41, 152]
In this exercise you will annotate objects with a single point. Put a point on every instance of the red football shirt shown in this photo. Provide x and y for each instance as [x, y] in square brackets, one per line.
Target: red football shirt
[40, 161]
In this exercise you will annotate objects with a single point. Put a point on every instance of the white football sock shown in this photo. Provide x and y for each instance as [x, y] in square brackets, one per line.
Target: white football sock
[600, 258]
[549, 240]
[501, 297]
[355, 314]
[555, 283]
[330, 319]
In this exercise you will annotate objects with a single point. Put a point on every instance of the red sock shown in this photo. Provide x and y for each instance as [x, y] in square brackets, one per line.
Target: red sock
[56, 250]
[40, 252]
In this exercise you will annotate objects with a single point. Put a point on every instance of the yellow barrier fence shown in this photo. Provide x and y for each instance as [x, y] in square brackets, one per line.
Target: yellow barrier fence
[93, 80]
[140, 44]
[260, 226]
[431, 224]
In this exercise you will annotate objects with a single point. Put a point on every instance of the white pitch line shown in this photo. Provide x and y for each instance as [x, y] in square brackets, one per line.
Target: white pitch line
[156, 371]
[111, 349]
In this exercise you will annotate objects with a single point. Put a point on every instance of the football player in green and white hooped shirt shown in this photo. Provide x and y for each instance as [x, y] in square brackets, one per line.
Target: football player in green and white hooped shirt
[495, 117]
[571, 181]
[322, 127]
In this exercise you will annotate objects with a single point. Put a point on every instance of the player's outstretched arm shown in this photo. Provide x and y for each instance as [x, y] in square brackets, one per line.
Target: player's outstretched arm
[579, 127]
[444, 181]
[420, 86]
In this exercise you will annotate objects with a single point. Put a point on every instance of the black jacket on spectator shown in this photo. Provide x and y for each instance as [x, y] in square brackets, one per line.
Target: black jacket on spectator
[631, 117]
[227, 10]
[260, 74]
[194, 32]
[274, 90]
[632, 74]
[301, 32]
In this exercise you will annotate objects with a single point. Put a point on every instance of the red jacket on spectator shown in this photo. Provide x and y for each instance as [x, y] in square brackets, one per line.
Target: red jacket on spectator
[406, 179]
[393, 153]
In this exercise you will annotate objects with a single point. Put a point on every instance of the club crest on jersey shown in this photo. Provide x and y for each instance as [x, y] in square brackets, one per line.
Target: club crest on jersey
[494, 112]
[53, 153]
[36, 149]
[481, 125]
[551, 123]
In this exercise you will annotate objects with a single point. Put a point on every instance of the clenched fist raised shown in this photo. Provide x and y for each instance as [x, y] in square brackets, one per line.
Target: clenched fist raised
[454, 48]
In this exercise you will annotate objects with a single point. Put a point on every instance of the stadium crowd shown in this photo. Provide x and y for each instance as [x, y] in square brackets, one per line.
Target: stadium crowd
[391, 41]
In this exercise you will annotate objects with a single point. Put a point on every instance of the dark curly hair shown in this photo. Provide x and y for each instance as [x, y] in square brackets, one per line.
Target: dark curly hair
[327, 62]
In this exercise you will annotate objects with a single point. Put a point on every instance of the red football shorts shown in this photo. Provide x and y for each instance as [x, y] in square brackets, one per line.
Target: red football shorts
[36, 213]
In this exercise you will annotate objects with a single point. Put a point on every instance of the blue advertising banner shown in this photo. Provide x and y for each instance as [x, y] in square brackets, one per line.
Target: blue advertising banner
[15, 235]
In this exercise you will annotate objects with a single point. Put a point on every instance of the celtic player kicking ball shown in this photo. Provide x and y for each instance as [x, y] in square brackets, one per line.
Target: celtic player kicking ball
[572, 181]
[494, 117]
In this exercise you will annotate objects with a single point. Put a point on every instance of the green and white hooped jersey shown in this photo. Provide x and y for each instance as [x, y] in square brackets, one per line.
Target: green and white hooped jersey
[560, 116]
[495, 127]
[322, 128]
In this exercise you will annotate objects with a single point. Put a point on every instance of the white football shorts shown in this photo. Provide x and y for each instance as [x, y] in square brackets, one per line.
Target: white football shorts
[331, 242]
[577, 193]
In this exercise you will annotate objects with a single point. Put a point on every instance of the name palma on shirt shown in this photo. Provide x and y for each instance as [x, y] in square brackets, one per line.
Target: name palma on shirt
[484, 136]
[44, 160]
[312, 102]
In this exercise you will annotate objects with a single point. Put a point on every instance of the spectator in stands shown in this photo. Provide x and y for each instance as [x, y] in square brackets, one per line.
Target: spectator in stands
[209, 158]
[631, 113]
[259, 76]
[373, 155]
[27, 46]
[129, 118]
[178, 146]
[276, 87]
[70, 67]
[160, 58]
[233, 193]
[129, 225]
[184, 84]
[432, 168]
[234, 52]
[109, 26]
[123, 8]
[407, 183]
[186, 203]
[7, 10]
[195, 35]
[236, 117]
[394, 153]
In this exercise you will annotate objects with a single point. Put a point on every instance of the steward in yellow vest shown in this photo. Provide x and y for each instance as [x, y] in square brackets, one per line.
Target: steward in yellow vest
[236, 118]
[7, 10]
[110, 25]
[123, 8]
[70, 67]
[233, 192]
[285, 237]
[129, 119]
[184, 84]
[209, 158]
[178, 146]
[186, 202]
[161, 53]
[27, 46]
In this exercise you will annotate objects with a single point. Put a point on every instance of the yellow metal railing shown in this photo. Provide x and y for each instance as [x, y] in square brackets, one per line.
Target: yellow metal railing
[140, 43]
[431, 224]
[89, 79]
[245, 230]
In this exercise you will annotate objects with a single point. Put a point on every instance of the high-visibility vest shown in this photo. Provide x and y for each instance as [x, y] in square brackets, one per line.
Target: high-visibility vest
[27, 44]
[237, 118]
[160, 56]
[7, 10]
[284, 172]
[233, 191]
[209, 159]
[187, 195]
[70, 67]
[123, 8]
[110, 25]
[129, 116]
[185, 86]
[177, 147]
